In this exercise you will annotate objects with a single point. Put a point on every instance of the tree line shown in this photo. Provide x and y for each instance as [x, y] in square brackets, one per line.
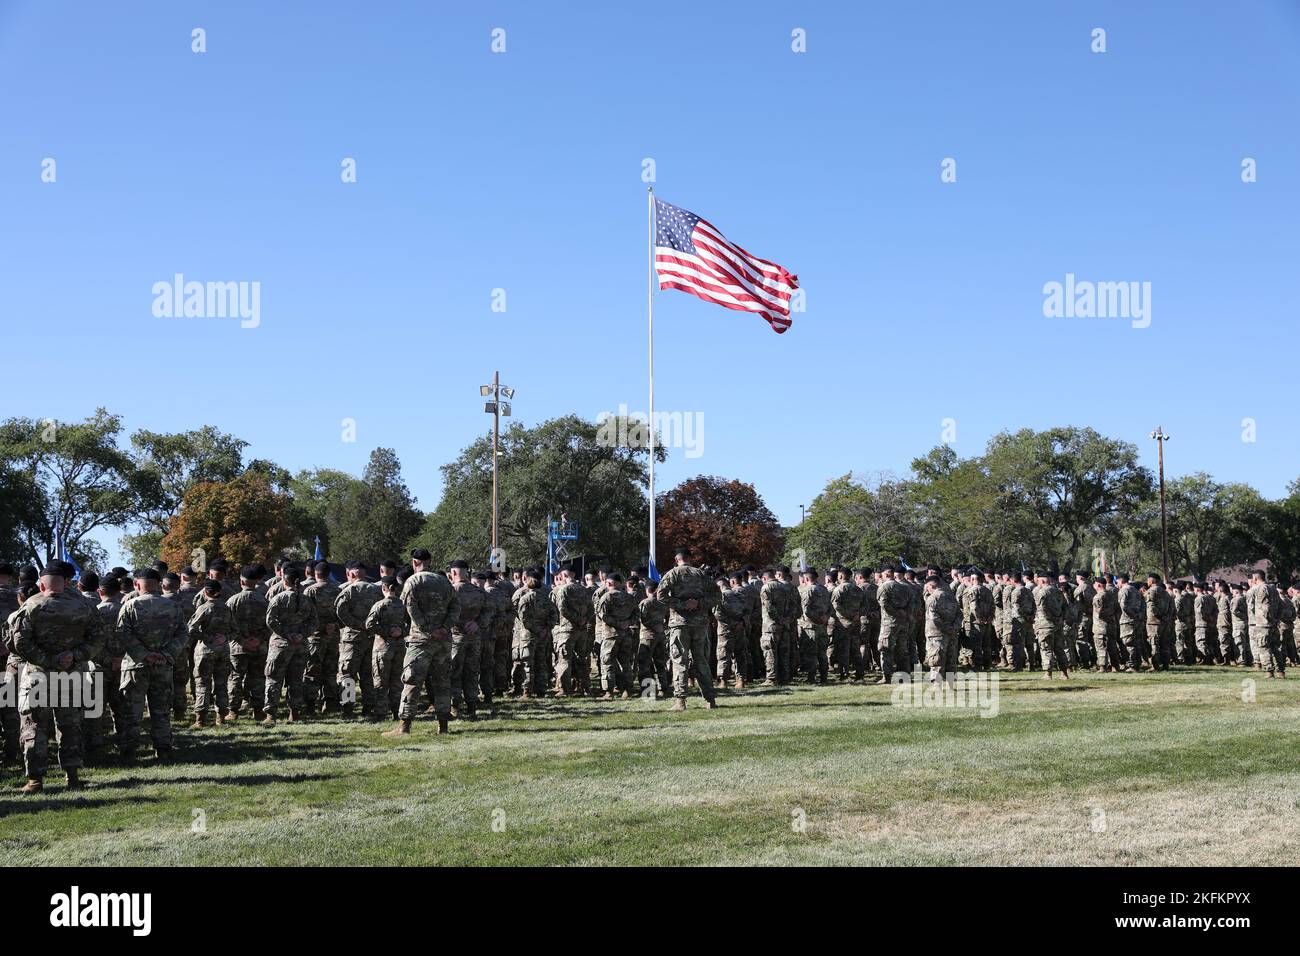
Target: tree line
[1064, 498]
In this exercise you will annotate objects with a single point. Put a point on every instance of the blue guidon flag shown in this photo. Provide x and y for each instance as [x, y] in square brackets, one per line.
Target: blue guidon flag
[692, 255]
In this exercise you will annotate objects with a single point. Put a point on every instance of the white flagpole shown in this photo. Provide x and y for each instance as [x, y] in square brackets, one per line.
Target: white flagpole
[650, 311]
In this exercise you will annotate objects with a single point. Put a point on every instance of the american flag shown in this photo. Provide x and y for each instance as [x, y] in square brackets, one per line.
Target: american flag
[692, 255]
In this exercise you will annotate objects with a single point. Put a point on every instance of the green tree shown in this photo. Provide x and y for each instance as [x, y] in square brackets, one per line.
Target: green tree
[564, 466]
[725, 523]
[858, 522]
[243, 520]
[376, 516]
[78, 480]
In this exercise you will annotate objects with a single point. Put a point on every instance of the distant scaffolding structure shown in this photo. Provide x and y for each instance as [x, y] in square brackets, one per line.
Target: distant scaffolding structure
[558, 536]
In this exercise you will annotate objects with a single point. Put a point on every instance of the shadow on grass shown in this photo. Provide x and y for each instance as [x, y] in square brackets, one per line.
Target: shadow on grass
[50, 801]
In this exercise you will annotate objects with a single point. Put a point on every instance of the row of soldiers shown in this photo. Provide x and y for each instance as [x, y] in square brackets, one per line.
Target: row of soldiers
[461, 638]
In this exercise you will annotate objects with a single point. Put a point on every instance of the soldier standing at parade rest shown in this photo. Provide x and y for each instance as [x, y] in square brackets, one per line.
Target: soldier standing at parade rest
[689, 594]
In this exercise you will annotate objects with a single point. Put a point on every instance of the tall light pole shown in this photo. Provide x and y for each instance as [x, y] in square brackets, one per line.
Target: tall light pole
[496, 408]
[802, 514]
[1160, 437]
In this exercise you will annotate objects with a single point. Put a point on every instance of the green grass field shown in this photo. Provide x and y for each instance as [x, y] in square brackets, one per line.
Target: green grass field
[1148, 769]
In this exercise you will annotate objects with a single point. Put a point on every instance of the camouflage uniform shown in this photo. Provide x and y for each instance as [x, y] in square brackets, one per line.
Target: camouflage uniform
[1223, 626]
[107, 664]
[652, 653]
[487, 644]
[688, 627]
[733, 643]
[814, 613]
[869, 632]
[1263, 605]
[1241, 629]
[434, 608]
[149, 624]
[211, 628]
[1105, 615]
[1286, 624]
[465, 653]
[789, 624]
[1160, 626]
[352, 607]
[249, 642]
[291, 616]
[570, 600]
[186, 599]
[320, 678]
[388, 649]
[1185, 626]
[616, 616]
[753, 627]
[10, 665]
[895, 598]
[1132, 616]
[1206, 611]
[533, 617]
[44, 629]
[942, 619]
[846, 602]
[1049, 623]
[977, 612]
[772, 603]
[503, 621]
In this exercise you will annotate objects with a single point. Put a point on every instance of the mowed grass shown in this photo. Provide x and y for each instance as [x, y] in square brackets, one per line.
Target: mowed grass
[1150, 769]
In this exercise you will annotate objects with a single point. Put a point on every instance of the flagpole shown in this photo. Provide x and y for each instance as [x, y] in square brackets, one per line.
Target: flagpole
[650, 313]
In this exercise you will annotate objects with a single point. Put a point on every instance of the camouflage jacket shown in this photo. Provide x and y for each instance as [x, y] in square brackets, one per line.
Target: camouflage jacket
[433, 606]
[653, 616]
[814, 605]
[49, 625]
[213, 624]
[150, 624]
[732, 611]
[473, 601]
[942, 613]
[572, 607]
[977, 604]
[534, 613]
[385, 615]
[353, 605]
[248, 611]
[323, 594]
[503, 616]
[1160, 605]
[683, 584]
[1049, 608]
[110, 650]
[1132, 606]
[846, 601]
[1105, 610]
[291, 614]
[895, 598]
[616, 611]
[1262, 606]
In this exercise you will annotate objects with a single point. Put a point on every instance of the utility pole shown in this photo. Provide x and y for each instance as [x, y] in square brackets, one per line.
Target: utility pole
[1160, 437]
[496, 408]
[802, 514]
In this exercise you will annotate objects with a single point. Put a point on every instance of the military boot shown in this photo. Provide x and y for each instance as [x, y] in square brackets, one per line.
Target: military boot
[220, 719]
[74, 780]
[294, 716]
[267, 719]
[198, 722]
[678, 704]
[347, 711]
[403, 727]
[33, 785]
[442, 724]
[472, 707]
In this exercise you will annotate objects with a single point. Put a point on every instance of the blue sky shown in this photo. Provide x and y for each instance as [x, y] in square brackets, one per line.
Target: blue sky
[522, 171]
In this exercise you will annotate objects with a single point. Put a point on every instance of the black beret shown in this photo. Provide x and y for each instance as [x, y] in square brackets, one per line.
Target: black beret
[459, 564]
[89, 581]
[249, 572]
[421, 554]
[388, 581]
[111, 585]
[120, 572]
[171, 577]
[147, 574]
[189, 571]
[616, 577]
[27, 575]
[480, 576]
[57, 568]
[682, 552]
[932, 577]
[160, 567]
[354, 565]
[292, 573]
[212, 586]
[322, 567]
[218, 565]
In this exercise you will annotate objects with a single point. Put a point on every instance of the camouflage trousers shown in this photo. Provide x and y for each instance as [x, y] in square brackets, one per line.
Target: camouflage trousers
[1016, 652]
[983, 644]
[1071, 637]
[1052, 649]
[94, 730]
[356, 665]
[320, 675]
[386, 659]
[1266, 646]
[464, 669]
[733, 653]
[1184, 644]
[868, 646]
[182, 674]
[1288, 644]
[501, 649]
[152, 684]
[790, 650]
[845, 655]
[543, 665]
[1245, 653]
[942, 652]
[36, 723]
[1134, 644]
[895, 647]
[1155, 648]
[487, 657]
[814, 645]
[653, 667]
[566, 659]
[618, 662]
[1227, 646]
[9, 714]
[285, 665]
[521, 662]
[427, 660]
[211, 667]
[247, 679]
[687, 644]
[1207, 645]
[754, 641]
[1101, 643]
[581, 646]
[770, 643]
